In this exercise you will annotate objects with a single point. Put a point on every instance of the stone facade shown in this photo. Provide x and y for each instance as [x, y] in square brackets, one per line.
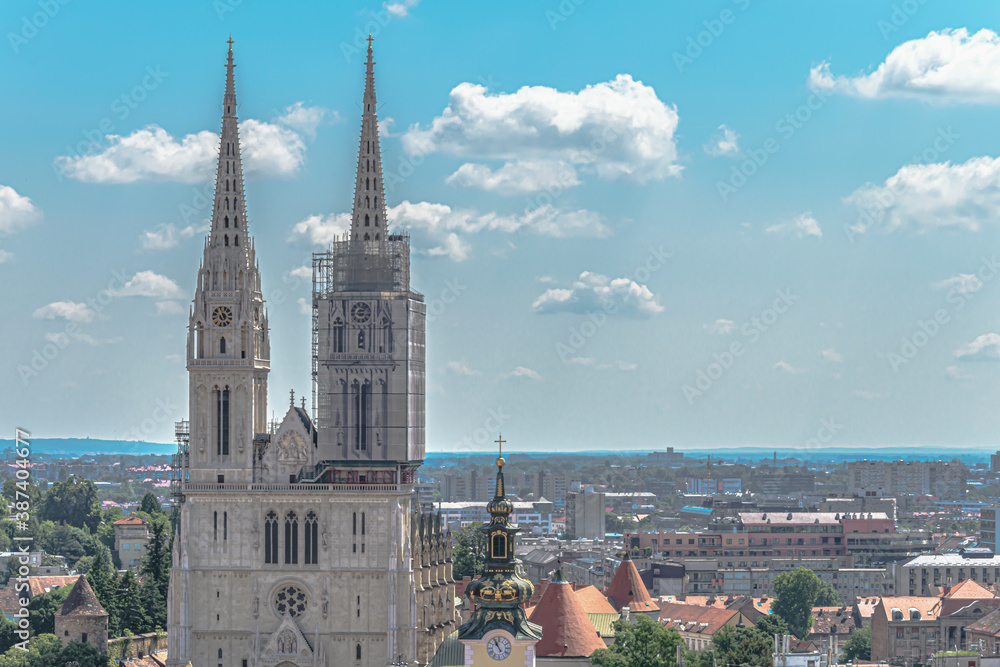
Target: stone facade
[82, 618]
[131, 541]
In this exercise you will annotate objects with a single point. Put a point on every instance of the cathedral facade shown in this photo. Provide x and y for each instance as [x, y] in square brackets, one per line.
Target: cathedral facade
[298, 543]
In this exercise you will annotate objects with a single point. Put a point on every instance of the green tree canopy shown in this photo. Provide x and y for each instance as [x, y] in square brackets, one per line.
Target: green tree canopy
[150, 504]
[469, 551]
[794, 597]
[73, 502]
[858, 645]
[643, 643]
[42, 609]
[826, 595]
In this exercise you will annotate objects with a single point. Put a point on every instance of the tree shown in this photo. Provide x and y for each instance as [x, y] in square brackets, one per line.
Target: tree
[644, 643]
[469, 553]
[7, 636]
[742, 647]
[103, 579]
[794, 597]
[43, 608]
[73, 502]
[826, 596]
[83, 655]
[134, 616]
[858, 646]
[150, 504]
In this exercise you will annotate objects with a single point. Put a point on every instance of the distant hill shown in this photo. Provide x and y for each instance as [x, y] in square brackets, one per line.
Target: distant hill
[73, 447]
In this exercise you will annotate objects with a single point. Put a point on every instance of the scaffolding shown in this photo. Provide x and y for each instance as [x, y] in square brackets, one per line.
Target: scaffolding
[180, 462]
[356, 266]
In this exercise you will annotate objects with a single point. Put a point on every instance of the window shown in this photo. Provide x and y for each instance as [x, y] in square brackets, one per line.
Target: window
[362, 523]
[271, 538]
[222, 344]
[222, 417]
[312, 547]
[354, 529]
[227, 222]
[226, 239]
[291, 539]
[499, 546]
[225, 525]
[215, 525]
[83, 638]
[357, 652]
[899, 633]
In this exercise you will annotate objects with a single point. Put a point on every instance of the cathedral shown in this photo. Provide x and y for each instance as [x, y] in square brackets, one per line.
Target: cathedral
[300, 542]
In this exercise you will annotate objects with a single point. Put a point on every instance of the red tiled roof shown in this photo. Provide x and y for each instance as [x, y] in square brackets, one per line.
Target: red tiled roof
[593, 600]
[696, 618]
[566, 629]
[627, 589]
[837, 620]
[929, 607]
[131, 521]
[40, 585]
[82, 601]
[969, 590]
[9, 601]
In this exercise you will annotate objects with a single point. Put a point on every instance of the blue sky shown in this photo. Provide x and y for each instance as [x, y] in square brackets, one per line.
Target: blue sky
[700, 224]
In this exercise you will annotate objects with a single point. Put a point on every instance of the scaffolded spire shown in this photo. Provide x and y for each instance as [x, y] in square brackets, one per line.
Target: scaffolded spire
[368, 221]
[229, 220]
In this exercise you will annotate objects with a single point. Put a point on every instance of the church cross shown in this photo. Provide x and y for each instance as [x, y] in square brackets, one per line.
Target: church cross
[500, 442]
[230, 42]
[369, 40]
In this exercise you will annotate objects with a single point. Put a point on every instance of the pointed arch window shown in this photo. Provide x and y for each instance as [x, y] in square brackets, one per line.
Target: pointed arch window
[376, 220]
[376, 236]
[357, 652]
[215, 525]
[291, 539]
[376, 184]
[361, 340]
[236, 240]
[376, 206]
[368, 184]
[312, 543]
[362, 523]
[227, 185]
[367, 237]
[368, 202]
[227, 167]
[338, 335]
[226, 239]
[227, 203]
[271, 538]
[236, 221]
[236, 202]
[354, 529]
[367, 220]
[227, 222]
[222, 420]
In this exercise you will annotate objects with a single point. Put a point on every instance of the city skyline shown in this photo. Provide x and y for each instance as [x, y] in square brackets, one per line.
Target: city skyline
[690, 238]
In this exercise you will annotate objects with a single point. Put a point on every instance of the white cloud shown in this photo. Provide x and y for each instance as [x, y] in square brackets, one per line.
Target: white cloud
[148, 283]
[5, 256]
[832, 355]
[984, 348]
[950, 65]
[723, 142]
[152, 153]
[320, 230]
[305, 307]
[593, 292]
[452, 247]
[590, 362]
[16, 211]
[306, 119]
[170, 308]
[618, 128]
[626, 366]
[956, 373]
[546, 279]
[516, 177]
[867, 395]
[168, 235]
[459, 368]
[521, 372]
[803, 225]
[74, 312]
[720, 327]
[963, 283]
[545, 220]
[401, 8]
[934, 196]
[788, 368]
[303, 272]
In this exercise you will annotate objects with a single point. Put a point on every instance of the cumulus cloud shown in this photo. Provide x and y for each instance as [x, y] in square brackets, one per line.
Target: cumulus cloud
[720, 327]
[949, 65]
[984, 348]
[5, 256]
[963, 283]
[521, 372]
[168, 235]
[16, 211]
[68, 310]
[594, 292]
[453, 247]
[832, 355]
[305, 307]
[923, 197]
[320, 230]
[516, 177]
[401, 8]
[956, 373]
[460, 368]
[786, 367]
[303, 272]
[305, 119]
[803, 225]
[149, 284]
[170, 308]
[152, 153]
[614, 129]
[723, 142]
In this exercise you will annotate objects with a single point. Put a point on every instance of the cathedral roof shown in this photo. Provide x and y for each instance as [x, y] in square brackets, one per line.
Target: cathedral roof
[566, 629]
[82, 601]
[627, 589]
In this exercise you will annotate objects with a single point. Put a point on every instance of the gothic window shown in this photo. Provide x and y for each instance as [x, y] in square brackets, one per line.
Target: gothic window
[291, 539]
[367, 220]
[368, 184]
[236, 239]
[367, 237]
[361, 340]
[236, 221]
[227, 203]
[289, 599]
[356, 391]
[222, 421]
[222, 345]
[227, 167]
[362, 523]
[271, 538]
[226, 239]
[338, 335]
[376, 206]
[376, 236]
[220, 654]
[312, 544]
[376, 184]
[236, 202]
[227, 185]
[227, 222]
[354, 529]
[499, 549]
[357, 652]
[215, 525]
[199, 340]
[376, 220]
[225, 525]
[368, 202]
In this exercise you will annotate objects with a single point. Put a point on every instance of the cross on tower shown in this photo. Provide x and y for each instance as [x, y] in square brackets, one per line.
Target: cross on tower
[230, 42]
[291, 398]
[369, 40]
[500, 442]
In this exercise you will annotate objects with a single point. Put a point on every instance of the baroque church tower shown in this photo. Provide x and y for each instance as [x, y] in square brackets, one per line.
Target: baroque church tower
[298, 544]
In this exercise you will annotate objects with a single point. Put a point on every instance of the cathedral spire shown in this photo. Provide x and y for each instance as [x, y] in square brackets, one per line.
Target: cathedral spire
[368, 221]
[229, 209]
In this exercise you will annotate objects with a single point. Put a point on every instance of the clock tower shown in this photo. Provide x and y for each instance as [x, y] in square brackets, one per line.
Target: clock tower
[499, 634]
[228, 349]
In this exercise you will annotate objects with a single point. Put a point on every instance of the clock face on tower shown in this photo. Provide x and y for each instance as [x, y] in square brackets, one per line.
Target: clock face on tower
[498, 648]
[222, 316]
[361, 313]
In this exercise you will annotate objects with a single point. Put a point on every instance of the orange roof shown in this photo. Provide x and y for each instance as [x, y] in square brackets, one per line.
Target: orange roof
[695, 618]
[593, 600]
[82, 601]
[929, 607]
[39, 585]
[969, 590]
[566, 629]
[627, 589]
[131, 521]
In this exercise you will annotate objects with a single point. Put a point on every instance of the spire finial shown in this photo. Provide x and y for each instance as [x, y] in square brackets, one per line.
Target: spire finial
[291, 398]
[500, 441]
[370, 39]
[230, 42]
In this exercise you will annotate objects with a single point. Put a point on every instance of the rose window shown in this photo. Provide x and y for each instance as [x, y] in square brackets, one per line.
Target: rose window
[290, 599]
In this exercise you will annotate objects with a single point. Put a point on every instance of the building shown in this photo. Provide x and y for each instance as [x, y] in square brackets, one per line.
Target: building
[782, 481]
[82, 618]
[567, 631]
[551, 486]
[861, 504]
[988, 527]
[586, 515]
[710, 486]
[836, 622]
[945, 479]
[984, 634]
[131, 540]
[941, 569]
[628, 590]
[698, 624]
[300, 541]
